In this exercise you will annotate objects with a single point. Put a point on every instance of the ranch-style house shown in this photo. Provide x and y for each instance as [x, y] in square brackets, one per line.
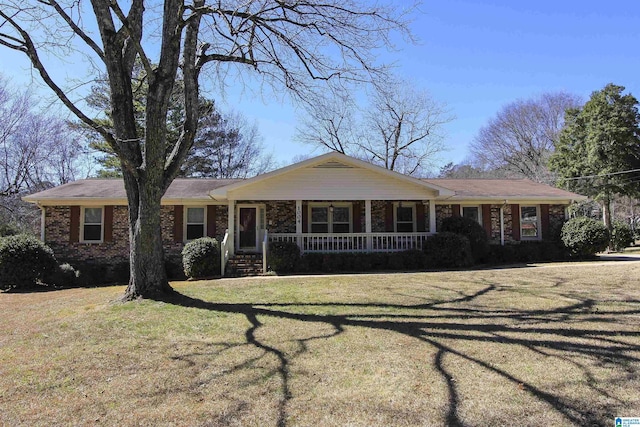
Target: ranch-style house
[329, 203]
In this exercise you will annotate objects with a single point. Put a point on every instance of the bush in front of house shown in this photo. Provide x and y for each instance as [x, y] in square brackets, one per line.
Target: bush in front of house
[523, 252]
[621, 237]
[283, 257]
[584, 237]
[473, 231]
[447, 249]
[65, 275]
[201, 258]
[25, 261]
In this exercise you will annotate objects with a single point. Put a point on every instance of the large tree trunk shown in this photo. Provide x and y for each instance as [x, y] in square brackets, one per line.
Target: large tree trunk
[148, 277]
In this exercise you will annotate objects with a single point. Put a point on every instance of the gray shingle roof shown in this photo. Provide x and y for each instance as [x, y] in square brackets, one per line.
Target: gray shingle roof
[503, 188]
[199, 188]
[113, 189]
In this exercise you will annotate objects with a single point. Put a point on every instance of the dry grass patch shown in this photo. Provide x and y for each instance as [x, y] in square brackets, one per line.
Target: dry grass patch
[557, 344]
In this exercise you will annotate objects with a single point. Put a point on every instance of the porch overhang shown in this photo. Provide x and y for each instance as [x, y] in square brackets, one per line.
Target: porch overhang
[331, 176]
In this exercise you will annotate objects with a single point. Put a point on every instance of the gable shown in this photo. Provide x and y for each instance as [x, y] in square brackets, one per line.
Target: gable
[332, 181]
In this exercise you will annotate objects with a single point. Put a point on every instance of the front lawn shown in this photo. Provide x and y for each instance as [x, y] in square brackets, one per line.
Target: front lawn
[557, 344]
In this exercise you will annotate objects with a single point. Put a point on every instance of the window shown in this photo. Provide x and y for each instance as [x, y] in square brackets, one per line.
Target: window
[319, 219]
[405, 218]
[195, 223]
[529, 222]
[92, 224]
[330, 219]
[340, 219]
[472, 212]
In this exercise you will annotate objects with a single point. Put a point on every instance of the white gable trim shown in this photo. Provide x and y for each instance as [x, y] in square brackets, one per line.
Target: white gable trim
[330, 160]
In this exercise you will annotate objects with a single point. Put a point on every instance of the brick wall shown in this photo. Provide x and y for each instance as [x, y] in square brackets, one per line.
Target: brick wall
[57, 228]
[281, 216]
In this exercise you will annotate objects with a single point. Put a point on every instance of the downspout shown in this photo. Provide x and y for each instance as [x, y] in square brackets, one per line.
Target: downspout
[43, 216]
[502, 223]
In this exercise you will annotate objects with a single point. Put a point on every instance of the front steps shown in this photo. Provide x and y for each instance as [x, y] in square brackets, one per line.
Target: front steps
[244, 265]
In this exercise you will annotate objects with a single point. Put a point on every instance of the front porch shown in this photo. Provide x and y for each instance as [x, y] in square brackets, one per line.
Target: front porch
[356, 226]
[352, 242]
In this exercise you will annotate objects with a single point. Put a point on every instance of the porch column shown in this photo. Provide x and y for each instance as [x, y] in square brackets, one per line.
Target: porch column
[432, 216]
[299, 223]
[231, 227]
[367, 224]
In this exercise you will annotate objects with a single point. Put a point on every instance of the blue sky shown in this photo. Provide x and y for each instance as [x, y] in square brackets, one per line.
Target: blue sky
[476, 56]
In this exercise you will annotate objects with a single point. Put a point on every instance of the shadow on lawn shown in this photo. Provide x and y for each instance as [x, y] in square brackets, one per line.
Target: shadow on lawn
[465, 324]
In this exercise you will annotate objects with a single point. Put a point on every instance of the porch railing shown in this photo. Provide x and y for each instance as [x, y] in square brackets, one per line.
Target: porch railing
[353, 242]
[224, 251]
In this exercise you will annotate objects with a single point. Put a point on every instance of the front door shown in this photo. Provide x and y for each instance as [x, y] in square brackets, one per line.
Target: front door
[248, 228]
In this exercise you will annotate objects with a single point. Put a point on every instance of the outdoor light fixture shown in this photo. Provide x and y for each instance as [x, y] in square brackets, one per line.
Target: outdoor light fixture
[331, 208]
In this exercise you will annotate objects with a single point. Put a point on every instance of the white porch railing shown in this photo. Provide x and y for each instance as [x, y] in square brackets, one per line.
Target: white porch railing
[352, 242]
[224, 251]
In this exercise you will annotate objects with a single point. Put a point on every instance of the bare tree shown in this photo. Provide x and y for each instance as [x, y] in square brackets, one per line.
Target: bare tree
[37, 150]
[521, 137]
[401, 128]
[302, 46]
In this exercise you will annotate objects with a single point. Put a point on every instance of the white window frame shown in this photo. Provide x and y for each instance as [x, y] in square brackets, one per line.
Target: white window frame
[349, 206]
[538, 223]
[186, 222]
[82, 224]
[479, 207]
[411, 205]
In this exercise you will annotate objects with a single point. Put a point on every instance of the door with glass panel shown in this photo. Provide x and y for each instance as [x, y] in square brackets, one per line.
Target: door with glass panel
[248, 228]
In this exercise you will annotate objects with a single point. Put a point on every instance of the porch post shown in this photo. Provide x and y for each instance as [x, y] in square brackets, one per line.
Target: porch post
[432, 216]
[231, 227]
[299, 223]
[367, 222]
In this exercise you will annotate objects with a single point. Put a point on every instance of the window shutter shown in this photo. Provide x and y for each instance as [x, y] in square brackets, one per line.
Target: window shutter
[388, 217]
[515, 222]
[108, 223]
[486, 219]
[211, 221]
[544, 221]
[420, 227]
[455, 210]
[74, 224]
[357, 213]
[305, 218]
[178, 220]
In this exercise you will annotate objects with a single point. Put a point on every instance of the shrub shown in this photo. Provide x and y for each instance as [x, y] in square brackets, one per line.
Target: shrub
[584, 237]
[413, 259]
[201, 257]
[65, 275]
[621, 236]
[24, 261]
[473, 231]
[448, 250]
[362, 262]
[9, 229]
[283, 257]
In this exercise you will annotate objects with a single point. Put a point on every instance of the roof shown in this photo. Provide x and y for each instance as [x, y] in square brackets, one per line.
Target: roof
[199, 190]
[112, 190]
[480, 189]
[332, 160]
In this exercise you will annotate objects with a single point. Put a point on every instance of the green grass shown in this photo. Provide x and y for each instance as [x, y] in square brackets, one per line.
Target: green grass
[557, 344]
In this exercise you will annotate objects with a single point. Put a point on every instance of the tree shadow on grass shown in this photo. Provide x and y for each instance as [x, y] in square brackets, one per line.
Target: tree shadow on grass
[441, 326]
